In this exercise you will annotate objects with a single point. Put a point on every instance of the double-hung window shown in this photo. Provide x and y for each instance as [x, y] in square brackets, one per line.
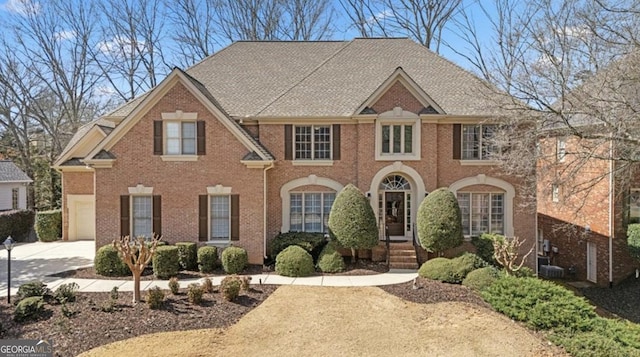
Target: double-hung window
[397, 139]
[477, 142]
[481, 213]
[180, 138]
[15, 195]
[309, 211]
[142, 216]
[220, 216]
[312, 142]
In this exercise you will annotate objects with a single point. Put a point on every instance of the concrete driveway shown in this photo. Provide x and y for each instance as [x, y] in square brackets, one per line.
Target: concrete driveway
[34, 261]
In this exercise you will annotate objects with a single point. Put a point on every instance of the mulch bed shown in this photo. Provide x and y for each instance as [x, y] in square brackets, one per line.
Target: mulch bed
[426, 291]
[620, 300]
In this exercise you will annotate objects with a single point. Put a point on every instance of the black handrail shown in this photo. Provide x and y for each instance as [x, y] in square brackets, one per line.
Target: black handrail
[387, 241]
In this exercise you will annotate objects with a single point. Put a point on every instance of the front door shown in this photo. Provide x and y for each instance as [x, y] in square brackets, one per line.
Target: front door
[395, 212]
[591, 262]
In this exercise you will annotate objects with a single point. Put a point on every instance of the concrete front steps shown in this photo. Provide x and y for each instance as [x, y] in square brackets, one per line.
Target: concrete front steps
[402, 256]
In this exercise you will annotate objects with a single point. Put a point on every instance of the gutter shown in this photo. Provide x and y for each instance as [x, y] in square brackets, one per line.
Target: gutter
[264, 212]
[611, 218]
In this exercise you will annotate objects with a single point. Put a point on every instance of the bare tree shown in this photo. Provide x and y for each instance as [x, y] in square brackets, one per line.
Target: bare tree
[195, 32]
[308, 20]
[136, 253]
[250, 19]
[367, 16]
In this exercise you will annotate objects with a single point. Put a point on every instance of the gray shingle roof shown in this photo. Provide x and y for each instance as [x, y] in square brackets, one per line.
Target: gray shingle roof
[9, 172]
[105, 125]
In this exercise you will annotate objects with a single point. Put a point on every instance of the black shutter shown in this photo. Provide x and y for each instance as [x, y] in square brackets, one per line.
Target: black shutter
[336, 141]
[457, 146]
[235, 217]
[157, 137]
[201, 137]
[157, 215]
[124, 215]
[203, 217]
[288, 142]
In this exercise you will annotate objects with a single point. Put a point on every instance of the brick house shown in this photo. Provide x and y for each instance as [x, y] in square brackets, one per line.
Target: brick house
[259, 138]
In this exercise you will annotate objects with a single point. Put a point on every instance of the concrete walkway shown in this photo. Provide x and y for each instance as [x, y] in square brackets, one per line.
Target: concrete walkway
[37, 261]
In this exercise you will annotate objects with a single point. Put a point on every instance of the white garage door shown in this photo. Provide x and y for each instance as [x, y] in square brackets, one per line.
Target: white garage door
[82, 218]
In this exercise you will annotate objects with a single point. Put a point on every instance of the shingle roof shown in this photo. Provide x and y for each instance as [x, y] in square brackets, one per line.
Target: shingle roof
[9, 172]
[105, 125]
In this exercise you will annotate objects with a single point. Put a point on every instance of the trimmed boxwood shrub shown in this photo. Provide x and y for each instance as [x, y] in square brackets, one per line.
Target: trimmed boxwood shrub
[30, 308]
[49, 225]
[436, 269]
[439, 221]
[294, 261]
[17, 224]
[482, 278]
[451, 270]
[541, 304]
[166, 262]
[352, 222]
[33, 288]
[207, 259]
[230, 287]
[188, 255]
[107, 262]
[311, 242]
[234, 260]
[484, 247]
[330, 260]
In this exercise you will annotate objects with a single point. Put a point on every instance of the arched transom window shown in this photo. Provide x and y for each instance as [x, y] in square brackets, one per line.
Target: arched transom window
[395, 183]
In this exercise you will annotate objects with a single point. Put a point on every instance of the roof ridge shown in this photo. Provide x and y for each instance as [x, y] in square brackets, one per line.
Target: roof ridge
[347, 44]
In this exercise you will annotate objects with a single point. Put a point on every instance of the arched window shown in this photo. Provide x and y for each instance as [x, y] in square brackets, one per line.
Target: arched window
[395, 183]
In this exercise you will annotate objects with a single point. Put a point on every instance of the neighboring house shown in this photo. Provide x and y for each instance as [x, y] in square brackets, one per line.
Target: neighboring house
[588, 189]
[260, 137]
[13, 186]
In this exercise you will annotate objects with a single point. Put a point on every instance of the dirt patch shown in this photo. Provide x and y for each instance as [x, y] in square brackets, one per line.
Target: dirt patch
[305, 321]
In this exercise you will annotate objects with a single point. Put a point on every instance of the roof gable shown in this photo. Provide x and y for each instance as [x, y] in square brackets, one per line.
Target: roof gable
[200, 93]
[399, 81]
[83, 142]
[9, 172]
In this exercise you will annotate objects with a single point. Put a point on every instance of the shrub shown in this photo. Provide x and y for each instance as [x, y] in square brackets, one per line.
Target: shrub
[108, 262]
[207, 285]
[439, 221]
[207, 259]
[17, 224]
[194, 293]
[330, 260]
[230, 287]
[352, 221]
[31, 289]
[244, 283]
[49, 225]
[484, 247]
[30, 308]
[482, 278]
[451, 270]
[155, 298]
[542, 305]
[465, 264]
[166, 262]
[113, 294]
[294, 261]
[436, 269]
[234, 260]
[524, 272]
[188, 255]
[174, 285]
[633, 240]
[66, 292]
[311, 242]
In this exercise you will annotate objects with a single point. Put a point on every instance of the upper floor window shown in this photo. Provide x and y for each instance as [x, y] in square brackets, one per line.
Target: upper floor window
[397, 139]
[180, 138]
[312, 142]
[561, 149]
[477, 143]
[15, 194]
[481, 213]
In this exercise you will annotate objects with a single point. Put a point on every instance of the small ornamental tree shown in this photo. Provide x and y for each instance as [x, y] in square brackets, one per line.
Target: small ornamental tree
[439, 221]
[136, 253]
[352, 221]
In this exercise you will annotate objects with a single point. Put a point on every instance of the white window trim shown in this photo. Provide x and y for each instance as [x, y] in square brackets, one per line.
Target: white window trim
[509, 195]
[555, 193]
[285, 194]
[481, 160]
[322, 213]
[15, 198]
[170, 158]
[312, 161]
[561, 149]
[217, 192]
[491, 193]
[180, 157]
[141, 189]
[398, 116]
[179, 115]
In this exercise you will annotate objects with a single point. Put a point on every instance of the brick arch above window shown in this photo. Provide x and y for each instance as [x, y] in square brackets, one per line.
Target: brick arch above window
[509, 195]
[285, 194]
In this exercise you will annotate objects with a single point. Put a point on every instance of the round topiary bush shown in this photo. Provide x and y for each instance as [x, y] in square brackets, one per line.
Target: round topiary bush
[234, 260]
[49, 225]
[330, 260]
[294, 261]
[166, 262]
[107, 262]
[465, 264]
[188, 255]
[436, 269]
[482, 278]
[439, 221]
[207, 259]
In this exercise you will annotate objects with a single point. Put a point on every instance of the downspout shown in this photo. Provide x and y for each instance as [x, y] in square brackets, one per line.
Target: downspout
[611, 218]
[264, 211]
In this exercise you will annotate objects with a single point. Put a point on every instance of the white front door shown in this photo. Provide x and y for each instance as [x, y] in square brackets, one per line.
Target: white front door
[82, 221]
[592, 262]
